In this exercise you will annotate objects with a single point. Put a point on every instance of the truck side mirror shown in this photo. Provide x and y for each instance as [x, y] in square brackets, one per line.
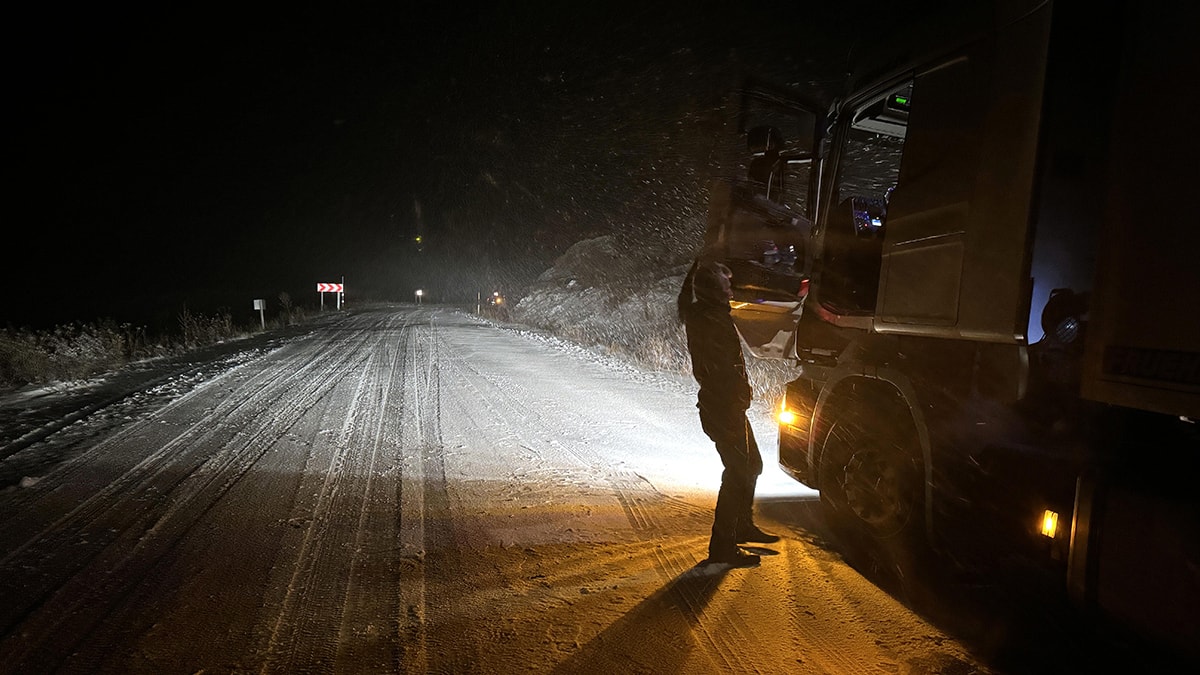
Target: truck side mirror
[766, 168]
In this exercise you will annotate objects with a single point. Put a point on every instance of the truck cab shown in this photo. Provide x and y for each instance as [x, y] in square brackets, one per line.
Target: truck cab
[993, 319]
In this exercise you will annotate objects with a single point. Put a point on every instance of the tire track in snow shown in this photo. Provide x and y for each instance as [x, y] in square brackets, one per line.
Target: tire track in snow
[415, 539]
[428, 532]
[832, 638]
[76, 586]
[370, 624]
[331, 613]
[95, 474]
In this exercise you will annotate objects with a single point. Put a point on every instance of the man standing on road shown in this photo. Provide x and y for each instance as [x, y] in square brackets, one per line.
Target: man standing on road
[724, 396]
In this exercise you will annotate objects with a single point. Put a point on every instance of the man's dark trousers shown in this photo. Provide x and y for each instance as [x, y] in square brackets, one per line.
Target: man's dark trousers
[731, 432]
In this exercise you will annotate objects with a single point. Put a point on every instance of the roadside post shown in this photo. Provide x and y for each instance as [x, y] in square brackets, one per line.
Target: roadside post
[261, 306]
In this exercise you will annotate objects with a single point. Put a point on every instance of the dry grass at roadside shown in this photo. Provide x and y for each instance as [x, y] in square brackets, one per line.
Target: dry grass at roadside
[78, 351]
[69, 352]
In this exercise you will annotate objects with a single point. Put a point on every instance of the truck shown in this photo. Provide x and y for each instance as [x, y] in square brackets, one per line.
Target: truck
[980, 262]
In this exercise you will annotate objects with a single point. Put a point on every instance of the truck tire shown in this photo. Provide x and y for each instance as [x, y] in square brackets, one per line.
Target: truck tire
[872, 490]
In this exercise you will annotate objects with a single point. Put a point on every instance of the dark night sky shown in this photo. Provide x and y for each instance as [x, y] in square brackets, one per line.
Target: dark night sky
[209, 156]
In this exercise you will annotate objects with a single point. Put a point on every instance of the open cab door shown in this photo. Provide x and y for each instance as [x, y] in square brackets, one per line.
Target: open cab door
[759, 226]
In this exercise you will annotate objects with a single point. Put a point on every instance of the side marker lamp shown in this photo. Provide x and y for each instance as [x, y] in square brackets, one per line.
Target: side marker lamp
[1049, 523]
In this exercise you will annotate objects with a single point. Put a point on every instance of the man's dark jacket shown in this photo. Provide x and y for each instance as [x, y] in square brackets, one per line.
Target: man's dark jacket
[712, 340]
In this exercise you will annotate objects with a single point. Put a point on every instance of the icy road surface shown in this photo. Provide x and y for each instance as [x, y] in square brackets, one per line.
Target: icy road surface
[414, 490]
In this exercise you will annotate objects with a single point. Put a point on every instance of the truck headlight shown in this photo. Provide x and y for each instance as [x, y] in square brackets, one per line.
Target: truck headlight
[786, 416]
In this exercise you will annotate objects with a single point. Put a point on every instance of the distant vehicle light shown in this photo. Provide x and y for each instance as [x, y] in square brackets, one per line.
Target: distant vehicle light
[1049, 523]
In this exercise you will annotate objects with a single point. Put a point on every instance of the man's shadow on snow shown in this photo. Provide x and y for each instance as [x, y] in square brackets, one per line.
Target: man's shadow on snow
[658, 631]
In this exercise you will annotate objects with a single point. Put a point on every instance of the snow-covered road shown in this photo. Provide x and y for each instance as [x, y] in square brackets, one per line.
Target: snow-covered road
[415, 490]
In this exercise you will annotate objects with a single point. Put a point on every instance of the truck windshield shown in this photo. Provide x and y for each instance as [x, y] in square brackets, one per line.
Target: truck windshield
[870, 165]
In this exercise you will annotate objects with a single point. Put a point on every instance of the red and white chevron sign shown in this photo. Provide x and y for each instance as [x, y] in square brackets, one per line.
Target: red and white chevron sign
[329, 288]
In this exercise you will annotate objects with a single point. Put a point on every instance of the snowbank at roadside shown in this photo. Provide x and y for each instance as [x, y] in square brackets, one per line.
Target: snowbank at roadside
[601, 293]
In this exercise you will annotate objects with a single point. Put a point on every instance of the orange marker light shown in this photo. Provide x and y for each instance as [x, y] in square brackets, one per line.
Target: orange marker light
[1049, 523]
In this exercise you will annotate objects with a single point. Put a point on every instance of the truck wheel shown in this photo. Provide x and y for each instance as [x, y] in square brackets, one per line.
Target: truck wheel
[871, 485]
